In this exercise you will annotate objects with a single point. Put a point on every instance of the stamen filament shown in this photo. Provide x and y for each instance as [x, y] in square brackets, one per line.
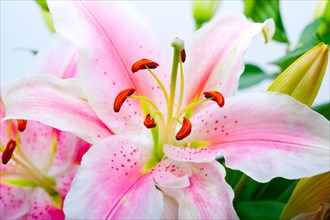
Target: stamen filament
[145, 99]
[10, 130]
[191, 106]
[161, 85]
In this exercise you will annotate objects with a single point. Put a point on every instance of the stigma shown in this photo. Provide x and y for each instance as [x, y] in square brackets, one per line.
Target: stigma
[21, 124]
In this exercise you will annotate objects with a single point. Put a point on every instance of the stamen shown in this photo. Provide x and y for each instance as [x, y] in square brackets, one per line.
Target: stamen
[183, 55]
[8, 152]
[215, 96]
[21, 124]
[121, 97]
[184, 130]
[149, 122]
[143, 64]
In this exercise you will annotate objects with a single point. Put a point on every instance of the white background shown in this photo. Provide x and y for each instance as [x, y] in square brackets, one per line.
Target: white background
[23, 28]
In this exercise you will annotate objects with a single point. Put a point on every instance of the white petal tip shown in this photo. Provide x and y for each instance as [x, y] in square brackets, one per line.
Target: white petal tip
[268, 29]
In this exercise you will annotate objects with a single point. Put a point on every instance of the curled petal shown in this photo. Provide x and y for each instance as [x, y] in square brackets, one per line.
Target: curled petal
[278, 134]
[58, 103]
[207, 197]
[218, 48]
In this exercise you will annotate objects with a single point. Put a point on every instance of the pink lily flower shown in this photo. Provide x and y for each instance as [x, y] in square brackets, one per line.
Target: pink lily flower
[126, 175]
[38, 161]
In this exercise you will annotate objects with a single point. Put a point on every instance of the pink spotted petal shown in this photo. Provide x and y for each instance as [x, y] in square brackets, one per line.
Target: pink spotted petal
[207, 197]
[41, 207]
[58, 103]
[188, 154]
[37, 144]
[81, 148]
[64, 179]
[13, 202]
[265, 135]
[215, 54]
[142, 202]
[67, 148]
[109, 45]
[59, 58]
[111, 174]
[171, 175]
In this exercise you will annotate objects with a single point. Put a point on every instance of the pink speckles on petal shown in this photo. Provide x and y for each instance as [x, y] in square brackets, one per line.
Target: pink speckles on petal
[13, 202]
[188, 154]
[41, 207]
[170, 174]
[105, 176]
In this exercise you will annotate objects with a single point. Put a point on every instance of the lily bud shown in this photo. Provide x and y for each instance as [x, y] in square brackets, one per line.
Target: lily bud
[323, 11]
[204, 11]
[310, 199]
[302, 79]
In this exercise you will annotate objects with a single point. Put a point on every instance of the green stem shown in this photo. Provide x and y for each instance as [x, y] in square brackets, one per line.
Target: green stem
[241, 184]
[181, 87]
[176, 57]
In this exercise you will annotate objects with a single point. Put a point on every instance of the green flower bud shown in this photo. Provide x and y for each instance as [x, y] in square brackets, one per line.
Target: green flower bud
[302, 79]
[204, 10]
[310, 199]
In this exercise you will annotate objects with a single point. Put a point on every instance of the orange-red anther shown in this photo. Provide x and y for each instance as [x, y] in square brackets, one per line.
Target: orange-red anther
[184, 130]
[183, 55]
[215, 96]
[121, 97]
[8, 152]
[143, 64]
[149, 122]
[21, 124]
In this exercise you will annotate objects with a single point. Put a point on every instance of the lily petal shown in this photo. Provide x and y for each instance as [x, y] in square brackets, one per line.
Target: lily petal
[13, 202]
[36, 144]
[59, 58]
[58, 103]
[111, 174]
[66, 146]
[207, 197]
[109, 46]
[217, 50]
[277, 134]
[41, 207]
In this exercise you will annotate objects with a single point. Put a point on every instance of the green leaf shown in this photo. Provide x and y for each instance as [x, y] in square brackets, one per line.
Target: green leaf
[260, 10]
[307, 41]
[323, 109]
[261, 210]
[251, 76]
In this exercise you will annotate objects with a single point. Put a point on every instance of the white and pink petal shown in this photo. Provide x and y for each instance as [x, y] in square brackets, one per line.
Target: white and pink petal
[262, 132]
[109, 46]
[14, 202]
[55, 102]
[215, 54]
[208, 196]
[111, 174]
[59, 58]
